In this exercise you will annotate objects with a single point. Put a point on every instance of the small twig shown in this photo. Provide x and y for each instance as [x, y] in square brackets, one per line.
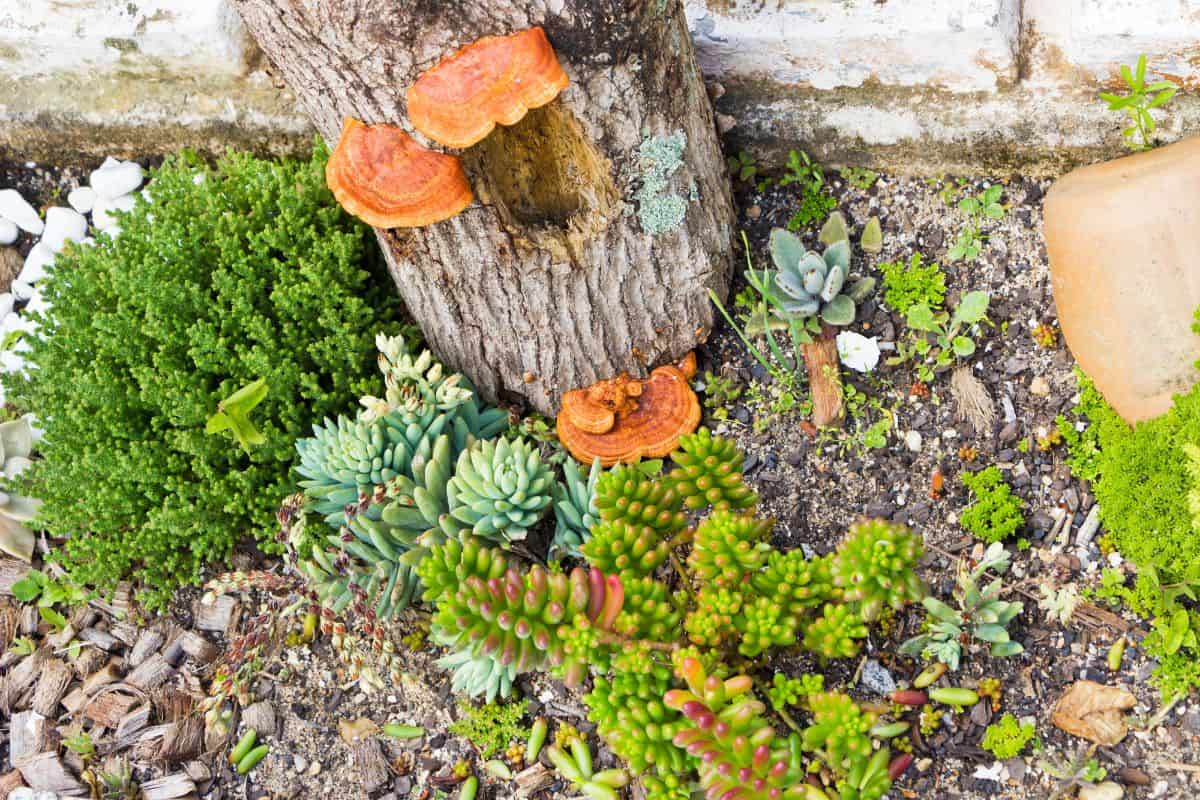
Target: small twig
[683, 576]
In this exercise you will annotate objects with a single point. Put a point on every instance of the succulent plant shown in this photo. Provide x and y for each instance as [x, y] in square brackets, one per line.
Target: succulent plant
[764, 624]
[873, 567]
[477, 676]
[447, 565]
[575, 764]
[799, 582]
[619, 546]
[839, 732]
[867, 778]
[629, 713]
[627, 494]
[500, 489]
[834, 633]
[16, 446]
[667, 786]
[649, 611]
[575, 511]
[709, 473]
[711, 622]
[739, 756]
[786, 691]
[805, 284]
[728, 547]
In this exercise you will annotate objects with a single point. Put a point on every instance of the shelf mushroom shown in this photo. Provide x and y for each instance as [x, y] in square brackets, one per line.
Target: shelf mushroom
[623, 419]
[381, 175]
[496, 79]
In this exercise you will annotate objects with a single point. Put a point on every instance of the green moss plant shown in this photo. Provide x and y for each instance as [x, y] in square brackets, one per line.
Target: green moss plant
[915, 284]
[995, 512]
[1007, 738]
[491, 727]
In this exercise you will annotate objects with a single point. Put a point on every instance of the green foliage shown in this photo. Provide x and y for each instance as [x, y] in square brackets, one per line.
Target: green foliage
[742, 166]
[937, 338]
[248, 271]
[575, 511]
[985, 205]
[815, 200]
[650, 611]
[491, 727]
[1007, 738]
[623, 547]
[840, 729]
[834, 634]
[1138, 102]
[710, 624]
[995, 512]
[575, 764]
[915, 284]
[47, 591]
[719, 393]
[708, 472]
[728, 547]
[859, 177]
[874, 565]
[764, 624]
[629, 713]
[801, 583]
[980, 615]
[233, 415]
[500, 489]
[787, 691]
[630, 493]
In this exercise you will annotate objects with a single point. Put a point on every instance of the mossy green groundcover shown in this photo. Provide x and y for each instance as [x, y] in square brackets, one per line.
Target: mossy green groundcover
[228, 274]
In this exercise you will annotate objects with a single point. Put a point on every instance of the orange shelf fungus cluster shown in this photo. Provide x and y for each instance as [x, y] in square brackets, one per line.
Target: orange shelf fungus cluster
[381, 175]
[622, 419]
[495, 80]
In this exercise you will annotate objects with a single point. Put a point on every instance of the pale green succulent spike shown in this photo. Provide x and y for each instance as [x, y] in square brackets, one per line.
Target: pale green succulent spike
[834, 230]
[872, 236]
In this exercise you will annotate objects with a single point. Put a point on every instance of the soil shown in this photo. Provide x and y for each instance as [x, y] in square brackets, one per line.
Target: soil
[816, 486]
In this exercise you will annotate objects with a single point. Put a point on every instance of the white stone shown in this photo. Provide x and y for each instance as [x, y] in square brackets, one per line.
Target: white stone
[858, 352]
[63, 225]
[21, 290]
[116, 178]
[6, 304]
[102, 213]
[1039, 386]
[11, 361]
[38, 432]
[17, 210]
[8, 231]
[36, 262]
[913, 441]
[876, 678]
[82, 199]
[36, 304]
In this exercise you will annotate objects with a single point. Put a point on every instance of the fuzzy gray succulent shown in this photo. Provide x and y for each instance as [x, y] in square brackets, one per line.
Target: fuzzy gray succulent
[806, 284]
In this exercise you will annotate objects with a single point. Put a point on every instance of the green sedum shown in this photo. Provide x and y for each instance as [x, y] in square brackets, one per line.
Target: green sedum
[995, 513]
[241, 272]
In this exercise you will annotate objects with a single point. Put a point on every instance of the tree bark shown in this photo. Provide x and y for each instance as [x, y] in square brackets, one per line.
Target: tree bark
[590, 249]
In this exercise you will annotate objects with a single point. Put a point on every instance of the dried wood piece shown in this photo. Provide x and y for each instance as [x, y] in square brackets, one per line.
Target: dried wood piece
[183, 741]
[172, 704]
[11, 571]
[197, 647]
[151, 673]
[131, 726]
[28, 735]
[51, 686]
[110, 673]
[532, 780]
[125, 632]
[60, 639]
[168, 787]
[83, 617]
[219, 616]
[118, 606]
[198, 771]
[76, 699]
[369, 764]
[148, 642]
[18, 684]
[88, 660]
[102, 639]
[109, 708]
[261, 717]
[149, 742]
[29, 621]
[45, 772]
[9, 782]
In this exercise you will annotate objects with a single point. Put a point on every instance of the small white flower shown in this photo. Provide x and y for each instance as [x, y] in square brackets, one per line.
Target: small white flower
[857, 351]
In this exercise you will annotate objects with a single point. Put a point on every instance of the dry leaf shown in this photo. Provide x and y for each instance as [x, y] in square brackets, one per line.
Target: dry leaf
[352, 731]
[1094, 712]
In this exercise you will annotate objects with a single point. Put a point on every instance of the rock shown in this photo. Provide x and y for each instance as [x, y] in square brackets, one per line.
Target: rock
[8, 231]
[15, 209]
[1129, 329]
[299, 764]
[876, 678]
[102, 214]
[116, 178]
[1039, 386]
[63, 225]
[1133, 776]
[22, 290]
[40, 257]
[913, 441]
[1108, 790]
[82, 199]
[6, 304]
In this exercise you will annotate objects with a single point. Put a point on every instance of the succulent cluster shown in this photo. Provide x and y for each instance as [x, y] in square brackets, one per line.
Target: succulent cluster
[575, 511]
[805, 284]
[500, 489]
[874, 567]
[708, 472]
[835, 633]
[629, 713]
[800, 583]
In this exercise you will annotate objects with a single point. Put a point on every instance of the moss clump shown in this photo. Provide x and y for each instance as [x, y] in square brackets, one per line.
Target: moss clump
[995, 513]
[491, 727]
[229, 275]
[915, 284]
[1007, 738]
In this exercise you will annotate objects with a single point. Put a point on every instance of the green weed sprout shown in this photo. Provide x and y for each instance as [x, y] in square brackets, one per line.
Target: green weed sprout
[1138, 102]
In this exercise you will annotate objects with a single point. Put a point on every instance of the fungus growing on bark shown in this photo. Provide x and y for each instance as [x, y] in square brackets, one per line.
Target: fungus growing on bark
[623, 419]
[496, 79]
[381, 175]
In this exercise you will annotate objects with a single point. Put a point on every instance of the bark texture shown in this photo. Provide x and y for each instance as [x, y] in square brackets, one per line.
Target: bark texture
[825, 379]
[591, 247]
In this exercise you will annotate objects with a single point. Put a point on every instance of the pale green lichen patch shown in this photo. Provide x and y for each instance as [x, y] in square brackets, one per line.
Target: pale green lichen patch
[659, 208]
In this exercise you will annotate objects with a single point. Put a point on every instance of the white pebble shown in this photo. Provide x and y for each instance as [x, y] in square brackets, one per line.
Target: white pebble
[36, 262]
[116, 178]
[913, 441]
[36, 304]
[21, 290]
[6, 305]
[102, 213]
[8, 231]
[82, 199]
[63, 225]
[14, 208]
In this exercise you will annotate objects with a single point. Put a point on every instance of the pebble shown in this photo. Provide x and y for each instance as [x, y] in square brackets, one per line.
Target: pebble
[102, 213]
[63, 225]
[913, 441]
[25, 793]
[1039, 386]
[40, 256]
[8, 231]
[314, 769]
[15, 209]
[1108, 790]
[21, 290]
[876, 678]
[82, 199]
[299, 763]
[116, 178]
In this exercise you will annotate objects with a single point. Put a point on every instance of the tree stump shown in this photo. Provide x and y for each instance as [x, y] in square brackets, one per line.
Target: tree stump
[601, 220]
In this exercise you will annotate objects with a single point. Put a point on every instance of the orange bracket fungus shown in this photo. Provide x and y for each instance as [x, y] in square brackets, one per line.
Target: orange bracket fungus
[497, 79]
[623, 419]
[381, 175]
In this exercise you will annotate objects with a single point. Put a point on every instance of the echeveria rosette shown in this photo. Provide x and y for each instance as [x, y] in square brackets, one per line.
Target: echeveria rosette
[800, 583]
[625, 493]
[873, 567]
[834, 634]
[500, 489]
[738, 754]
[708, 472]
[630, 714]
[727, 547]
[807, 284]
[575, 511]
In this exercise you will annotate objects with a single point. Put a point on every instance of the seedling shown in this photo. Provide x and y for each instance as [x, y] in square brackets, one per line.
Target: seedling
[985, 205]
[233, 415]
[941, 337]
[1138, 103]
